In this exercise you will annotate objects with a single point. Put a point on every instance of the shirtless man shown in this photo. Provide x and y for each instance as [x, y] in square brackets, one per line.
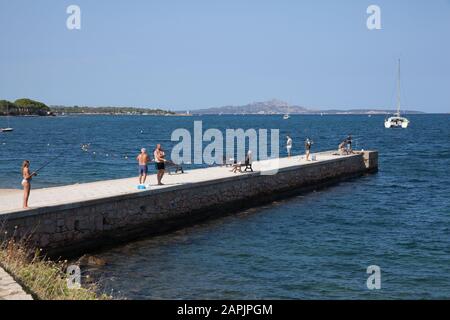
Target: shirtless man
[308, 145]
[160, 160]
[349, 144]
[289, 145]
[143, 160]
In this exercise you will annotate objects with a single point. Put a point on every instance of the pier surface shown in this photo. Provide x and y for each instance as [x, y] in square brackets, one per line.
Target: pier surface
[11, 200]
[10, 289]
[76, 215]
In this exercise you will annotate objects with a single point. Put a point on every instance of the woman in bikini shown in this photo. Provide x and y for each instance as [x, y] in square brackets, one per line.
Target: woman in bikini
[26, 182]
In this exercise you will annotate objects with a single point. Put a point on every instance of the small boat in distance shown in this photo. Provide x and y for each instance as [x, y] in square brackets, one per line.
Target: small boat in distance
[397, 121]
[7, 129]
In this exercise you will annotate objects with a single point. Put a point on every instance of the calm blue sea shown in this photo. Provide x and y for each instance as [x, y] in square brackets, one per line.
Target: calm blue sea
[317, 245]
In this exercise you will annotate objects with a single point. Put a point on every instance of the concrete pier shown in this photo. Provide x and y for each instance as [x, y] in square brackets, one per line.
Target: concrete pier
[73, 219]
[10, 289]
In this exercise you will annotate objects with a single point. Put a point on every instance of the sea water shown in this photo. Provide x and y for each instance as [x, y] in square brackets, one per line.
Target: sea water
[316, 245]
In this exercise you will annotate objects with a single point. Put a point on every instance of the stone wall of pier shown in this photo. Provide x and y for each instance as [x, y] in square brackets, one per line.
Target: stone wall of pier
[79, 227]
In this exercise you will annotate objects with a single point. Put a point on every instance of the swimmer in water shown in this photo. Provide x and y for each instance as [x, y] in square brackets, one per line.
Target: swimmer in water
[26, 182]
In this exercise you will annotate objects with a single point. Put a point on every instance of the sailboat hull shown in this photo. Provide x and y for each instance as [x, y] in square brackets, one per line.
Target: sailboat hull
[396, 122]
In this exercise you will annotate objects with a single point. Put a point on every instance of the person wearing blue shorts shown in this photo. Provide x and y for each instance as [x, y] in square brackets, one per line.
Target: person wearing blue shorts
[143, 160]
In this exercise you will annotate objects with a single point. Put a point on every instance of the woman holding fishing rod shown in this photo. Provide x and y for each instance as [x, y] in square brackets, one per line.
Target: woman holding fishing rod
[27, 177]
[26, 182]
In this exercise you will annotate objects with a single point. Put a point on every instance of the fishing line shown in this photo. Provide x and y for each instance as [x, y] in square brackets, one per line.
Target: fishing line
[98, 151]
[49, 162]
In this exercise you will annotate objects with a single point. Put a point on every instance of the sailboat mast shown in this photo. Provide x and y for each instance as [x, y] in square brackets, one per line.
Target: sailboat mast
[7, 115]
[398, 89]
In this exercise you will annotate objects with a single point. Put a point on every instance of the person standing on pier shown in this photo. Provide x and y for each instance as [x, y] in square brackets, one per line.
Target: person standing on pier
[143, 160]
[26, 182]
[160, 162]
[349, 144]
[308, 144]
[289, 145]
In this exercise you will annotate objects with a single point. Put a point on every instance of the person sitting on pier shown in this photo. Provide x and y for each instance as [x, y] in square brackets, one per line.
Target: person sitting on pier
[341, 148]
[26, 182]
[345, 147]
[170, 166]
[247, 164]
[143, 160]
[249, 161]
[236, 167]
[160, 163]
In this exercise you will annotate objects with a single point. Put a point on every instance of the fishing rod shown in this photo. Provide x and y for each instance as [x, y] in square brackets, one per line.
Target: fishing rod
[49, 162]
[84, 147]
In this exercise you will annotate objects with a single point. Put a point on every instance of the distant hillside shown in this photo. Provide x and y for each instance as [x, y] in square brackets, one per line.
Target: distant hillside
[267, 107]
[275, 106]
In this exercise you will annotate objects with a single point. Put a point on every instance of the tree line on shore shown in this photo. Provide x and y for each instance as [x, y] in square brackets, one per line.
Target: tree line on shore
[28, 107]
[23, 107]
[108, 110]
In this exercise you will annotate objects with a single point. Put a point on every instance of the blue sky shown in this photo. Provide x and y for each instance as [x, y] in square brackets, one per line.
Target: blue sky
[194, 54]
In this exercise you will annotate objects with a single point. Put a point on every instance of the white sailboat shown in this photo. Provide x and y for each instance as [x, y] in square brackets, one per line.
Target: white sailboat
[8, 128]
[287, 115]
[397, 121]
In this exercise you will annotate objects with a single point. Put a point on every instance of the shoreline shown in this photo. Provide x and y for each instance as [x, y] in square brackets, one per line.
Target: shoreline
[193, 114]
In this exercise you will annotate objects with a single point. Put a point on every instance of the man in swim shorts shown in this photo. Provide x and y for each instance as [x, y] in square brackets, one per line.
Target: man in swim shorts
[349, 144]
[289, 145]
[143, 160]
[160, 160]
[308, 145]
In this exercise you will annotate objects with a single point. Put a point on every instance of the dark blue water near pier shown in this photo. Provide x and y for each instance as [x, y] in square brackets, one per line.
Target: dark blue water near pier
[317, 245]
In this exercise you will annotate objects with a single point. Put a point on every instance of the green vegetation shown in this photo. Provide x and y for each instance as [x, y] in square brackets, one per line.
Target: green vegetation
[7, 106]
[22, 107]
[28, 107]
[43, 278]
[108, 110]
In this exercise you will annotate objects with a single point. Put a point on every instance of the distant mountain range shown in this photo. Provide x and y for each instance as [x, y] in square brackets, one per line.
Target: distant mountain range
[276, 106]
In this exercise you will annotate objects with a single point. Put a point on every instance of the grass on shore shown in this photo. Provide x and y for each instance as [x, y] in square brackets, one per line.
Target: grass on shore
[43, 278]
